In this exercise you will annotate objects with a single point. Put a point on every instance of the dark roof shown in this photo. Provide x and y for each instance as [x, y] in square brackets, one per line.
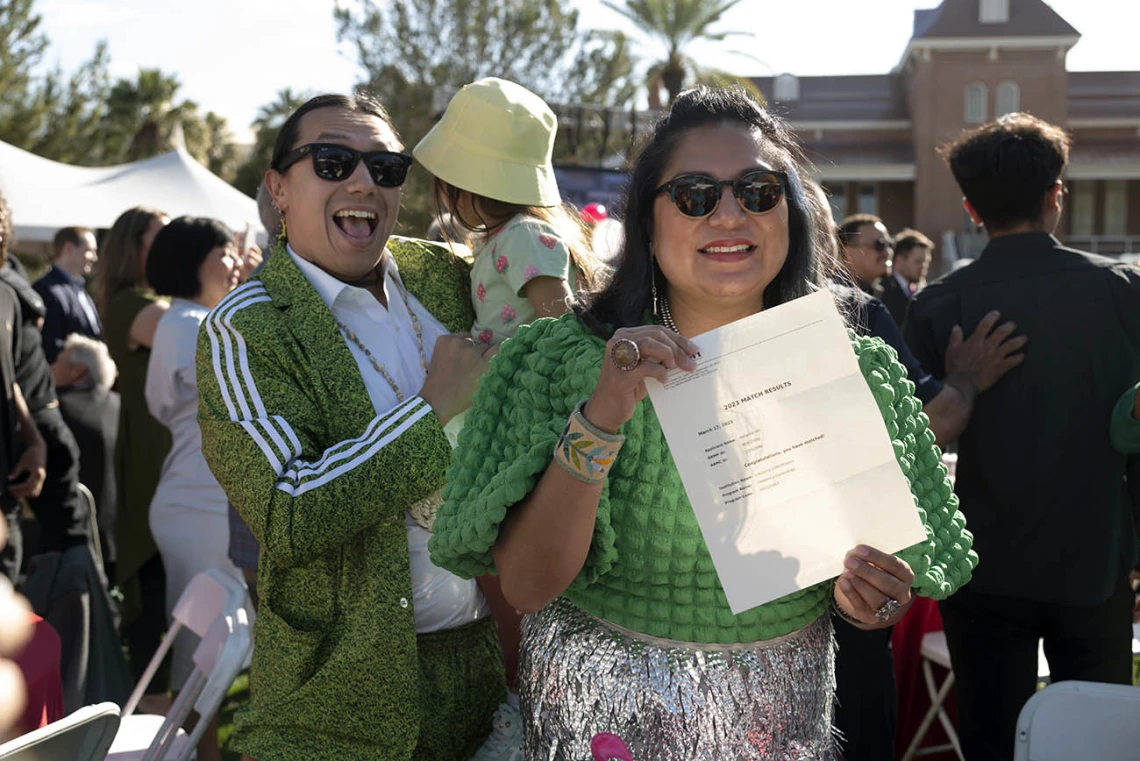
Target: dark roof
[868, 97]
[959, 18]
[828, 153]
[1104, 94]
[923, 20]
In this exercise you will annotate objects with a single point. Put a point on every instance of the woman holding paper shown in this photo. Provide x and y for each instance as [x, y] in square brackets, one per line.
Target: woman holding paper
[564, 485]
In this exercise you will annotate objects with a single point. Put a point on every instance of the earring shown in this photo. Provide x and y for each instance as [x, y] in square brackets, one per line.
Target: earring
[654, 290]
[282, 237]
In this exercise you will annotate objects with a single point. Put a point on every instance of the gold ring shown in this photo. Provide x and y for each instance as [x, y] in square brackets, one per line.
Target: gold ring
[625, 355]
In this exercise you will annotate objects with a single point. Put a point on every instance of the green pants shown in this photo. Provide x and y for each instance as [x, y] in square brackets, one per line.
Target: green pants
[461, 685]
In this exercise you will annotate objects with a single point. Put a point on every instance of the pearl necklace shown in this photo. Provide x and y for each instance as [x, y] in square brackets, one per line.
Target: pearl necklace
[379, 366]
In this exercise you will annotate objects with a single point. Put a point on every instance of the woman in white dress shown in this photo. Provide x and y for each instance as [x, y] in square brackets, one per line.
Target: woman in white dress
[195, 263]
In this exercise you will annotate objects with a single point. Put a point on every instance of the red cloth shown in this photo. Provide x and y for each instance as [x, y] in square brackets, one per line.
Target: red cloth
[914, 701]
[40, 664]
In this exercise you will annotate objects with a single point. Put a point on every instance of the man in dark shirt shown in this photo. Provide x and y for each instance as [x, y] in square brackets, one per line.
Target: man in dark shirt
[1040, 484]
[866, 697]
[865, 249]
[68, 307]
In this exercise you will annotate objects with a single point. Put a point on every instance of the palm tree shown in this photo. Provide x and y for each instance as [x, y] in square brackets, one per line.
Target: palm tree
[142, 114]
[270, 118]
[677, 24]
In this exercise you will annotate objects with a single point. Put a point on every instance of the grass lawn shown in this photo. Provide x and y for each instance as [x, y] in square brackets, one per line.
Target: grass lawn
[238, 694]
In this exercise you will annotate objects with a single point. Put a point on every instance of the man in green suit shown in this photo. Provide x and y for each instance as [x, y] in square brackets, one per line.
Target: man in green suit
[325, 383]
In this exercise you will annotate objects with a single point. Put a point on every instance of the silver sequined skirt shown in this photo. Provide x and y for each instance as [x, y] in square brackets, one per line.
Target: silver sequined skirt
[674, 701]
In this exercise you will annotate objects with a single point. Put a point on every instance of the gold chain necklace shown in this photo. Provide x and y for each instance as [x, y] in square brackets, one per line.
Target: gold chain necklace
[379, 366]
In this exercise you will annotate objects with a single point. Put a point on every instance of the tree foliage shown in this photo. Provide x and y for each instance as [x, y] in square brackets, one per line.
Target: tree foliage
[85, 119]
[268, 123]
[415, 54]
[145, 117]
[677, 24]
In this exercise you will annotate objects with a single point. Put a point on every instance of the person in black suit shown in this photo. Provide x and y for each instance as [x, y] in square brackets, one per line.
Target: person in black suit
[23, 452]
[908, 272]
[70, 309]
[91, 410]
[1039, 481]
[60, 512]
[865, 249]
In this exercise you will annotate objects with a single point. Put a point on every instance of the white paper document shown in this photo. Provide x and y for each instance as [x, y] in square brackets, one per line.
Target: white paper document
[783, 452]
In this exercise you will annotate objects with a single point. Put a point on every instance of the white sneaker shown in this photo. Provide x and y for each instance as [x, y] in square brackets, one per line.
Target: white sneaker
[506, 739]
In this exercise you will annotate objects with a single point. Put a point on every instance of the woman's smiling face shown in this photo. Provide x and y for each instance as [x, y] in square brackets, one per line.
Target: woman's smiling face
[729, 255]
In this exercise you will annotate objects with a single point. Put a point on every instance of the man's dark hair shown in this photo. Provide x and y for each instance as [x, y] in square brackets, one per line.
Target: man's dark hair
[72, 235]
[849, 227]
[178, 252]
[1007, 167]
[358, 103]
[908, 240]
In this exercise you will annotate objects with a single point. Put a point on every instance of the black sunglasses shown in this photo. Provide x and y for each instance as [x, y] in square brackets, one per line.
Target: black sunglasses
[698, 196]
[880, 245]
[337, 162]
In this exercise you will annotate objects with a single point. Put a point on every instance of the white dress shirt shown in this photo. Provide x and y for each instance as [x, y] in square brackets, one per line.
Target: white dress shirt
[906, 287]
[441, 600]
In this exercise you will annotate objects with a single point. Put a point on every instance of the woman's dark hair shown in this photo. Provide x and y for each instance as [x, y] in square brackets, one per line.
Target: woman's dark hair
[360, 102]
[1007, 167]
[624, 302]
[178, 252]
[120, 255]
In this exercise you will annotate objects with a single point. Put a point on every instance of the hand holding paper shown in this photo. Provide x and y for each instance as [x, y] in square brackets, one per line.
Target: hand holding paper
[783, 452]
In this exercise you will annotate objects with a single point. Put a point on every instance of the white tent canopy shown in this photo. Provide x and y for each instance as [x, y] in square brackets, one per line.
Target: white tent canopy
[45, 195]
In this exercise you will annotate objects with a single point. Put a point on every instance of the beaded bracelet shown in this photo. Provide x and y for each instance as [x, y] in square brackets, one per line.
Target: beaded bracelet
[844, 614]
[584, 451]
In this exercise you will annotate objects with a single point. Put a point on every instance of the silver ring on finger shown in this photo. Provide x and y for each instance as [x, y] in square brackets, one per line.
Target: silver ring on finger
[625, 355]
[888, 609]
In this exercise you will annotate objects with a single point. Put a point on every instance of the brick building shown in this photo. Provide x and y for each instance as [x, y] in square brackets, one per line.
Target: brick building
[874, 138]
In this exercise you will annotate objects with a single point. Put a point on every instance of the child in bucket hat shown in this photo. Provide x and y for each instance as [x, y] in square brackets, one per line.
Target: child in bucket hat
[491, 158]
[490, 155]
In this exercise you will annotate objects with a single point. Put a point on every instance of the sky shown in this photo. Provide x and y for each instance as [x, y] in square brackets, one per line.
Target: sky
[232, 56]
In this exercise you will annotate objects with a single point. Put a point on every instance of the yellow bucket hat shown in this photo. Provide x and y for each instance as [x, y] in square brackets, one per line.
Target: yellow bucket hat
[495, 140]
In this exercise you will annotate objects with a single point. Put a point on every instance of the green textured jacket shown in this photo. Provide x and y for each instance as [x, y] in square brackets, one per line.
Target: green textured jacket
[648, 568]
[289, 431]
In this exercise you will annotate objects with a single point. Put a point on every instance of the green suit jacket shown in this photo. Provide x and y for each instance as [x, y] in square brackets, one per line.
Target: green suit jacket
[290, 433]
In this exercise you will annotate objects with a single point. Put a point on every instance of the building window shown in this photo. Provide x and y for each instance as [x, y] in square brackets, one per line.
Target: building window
[868, 199]
[787, 87]
[993, 11]
[1115, 207]
[1008, 98]
[975, 103]
[1084, 208]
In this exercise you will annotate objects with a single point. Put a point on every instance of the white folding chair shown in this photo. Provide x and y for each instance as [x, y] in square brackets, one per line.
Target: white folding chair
[935, 652]
[85, 735]
[213, 607]
[1080, 721]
